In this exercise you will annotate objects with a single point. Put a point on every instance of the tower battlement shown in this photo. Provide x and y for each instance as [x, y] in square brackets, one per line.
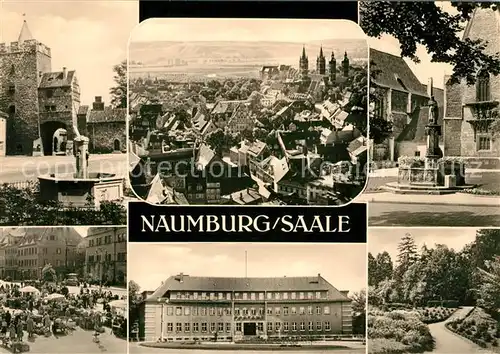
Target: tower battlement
[31, 45]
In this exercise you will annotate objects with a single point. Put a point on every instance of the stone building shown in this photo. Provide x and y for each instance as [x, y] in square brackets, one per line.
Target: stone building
[3, 133]
[190, 308]
[59, 99]
[471, 110]
[106, 255]
[8, 252]
[402, 100]
[43, 106]
[105, 126]
[27, 251]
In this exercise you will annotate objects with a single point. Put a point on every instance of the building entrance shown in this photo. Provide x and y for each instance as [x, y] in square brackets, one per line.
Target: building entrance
[250, 329]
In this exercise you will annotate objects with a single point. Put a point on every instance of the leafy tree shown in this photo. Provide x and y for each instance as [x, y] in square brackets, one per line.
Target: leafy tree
[119, 92]
[372, 270]
[134, 301]
[384, 266]
[359, 312]
[425, 23]
[489, 290]
[49, 273]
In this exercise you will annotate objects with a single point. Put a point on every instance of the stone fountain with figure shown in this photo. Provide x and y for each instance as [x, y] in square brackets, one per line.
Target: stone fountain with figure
[433, 174]
[82, 187]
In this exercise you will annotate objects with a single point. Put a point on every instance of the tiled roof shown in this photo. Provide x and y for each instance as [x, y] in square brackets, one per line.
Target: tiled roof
[205, 156]
[393, 72]
[216, 284]
[226, 107]
[246, 196]
[83, 110]
[256, 147]
[108, 115]
[56, 79]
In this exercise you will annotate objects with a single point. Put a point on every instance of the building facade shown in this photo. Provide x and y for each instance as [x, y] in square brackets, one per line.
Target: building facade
[470, 110]
[106, 255]
[188, 308]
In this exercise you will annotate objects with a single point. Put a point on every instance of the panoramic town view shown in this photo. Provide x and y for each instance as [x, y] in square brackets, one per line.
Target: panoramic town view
[261, 118]
[62, 116]
[434, 290]
[435, 120]
[63, 290]
[233, 297]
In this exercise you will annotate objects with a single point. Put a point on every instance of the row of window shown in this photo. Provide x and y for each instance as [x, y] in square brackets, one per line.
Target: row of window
[106, 240]
[34, 262]
[249, 296]
[108, 257]
[221, 311]
[221, 327]
[34, 250]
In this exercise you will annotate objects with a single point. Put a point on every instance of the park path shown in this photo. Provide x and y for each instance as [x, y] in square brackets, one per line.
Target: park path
[449, 342]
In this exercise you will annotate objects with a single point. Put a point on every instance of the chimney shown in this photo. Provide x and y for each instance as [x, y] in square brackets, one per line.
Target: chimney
[65, 73]
[319, 277]
[98, 105]
[344, 292]
[181, 278]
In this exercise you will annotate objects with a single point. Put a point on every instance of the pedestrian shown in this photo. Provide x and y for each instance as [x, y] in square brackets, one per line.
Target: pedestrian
[12, 332]
[8, 318]
[30, 326]
[20, 330]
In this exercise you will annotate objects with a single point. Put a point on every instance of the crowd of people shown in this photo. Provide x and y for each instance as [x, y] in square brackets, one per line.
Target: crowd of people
[52, 310]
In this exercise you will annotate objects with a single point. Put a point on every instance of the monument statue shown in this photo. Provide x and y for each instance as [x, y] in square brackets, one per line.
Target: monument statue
[432, 129]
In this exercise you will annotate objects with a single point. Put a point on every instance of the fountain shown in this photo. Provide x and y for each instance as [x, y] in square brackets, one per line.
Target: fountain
[77, 189]
[433, 174]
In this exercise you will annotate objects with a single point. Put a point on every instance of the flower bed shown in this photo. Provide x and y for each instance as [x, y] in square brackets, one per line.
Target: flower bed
[435, 314]
[478, 327]
[398, 332]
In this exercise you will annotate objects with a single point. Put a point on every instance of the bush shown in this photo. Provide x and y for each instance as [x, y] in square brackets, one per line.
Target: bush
[22, 207]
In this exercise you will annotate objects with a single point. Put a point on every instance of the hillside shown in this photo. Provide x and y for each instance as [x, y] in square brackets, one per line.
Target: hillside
[161, 53]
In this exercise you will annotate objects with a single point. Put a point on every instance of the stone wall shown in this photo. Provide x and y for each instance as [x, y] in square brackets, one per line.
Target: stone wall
[452, 137]
[103, 135]
[19, 78]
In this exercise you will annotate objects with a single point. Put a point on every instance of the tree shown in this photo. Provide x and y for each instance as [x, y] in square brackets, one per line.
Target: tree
[359, 312]
[489, 290]
[407, 255]
[425, 23]
[372, 270]
[49, 273]
[119, 92]
[133, 301]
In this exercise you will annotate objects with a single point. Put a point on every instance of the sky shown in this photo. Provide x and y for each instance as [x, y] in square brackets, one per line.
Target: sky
[283, 30]
[425, 68]
[387, 239]
[87, 36]
[343, 265]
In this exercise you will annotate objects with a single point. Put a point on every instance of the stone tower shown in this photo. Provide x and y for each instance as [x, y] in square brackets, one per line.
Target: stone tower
[321, 62]
[332, 68]
[345, 65]
[304, 63]
[21, 66]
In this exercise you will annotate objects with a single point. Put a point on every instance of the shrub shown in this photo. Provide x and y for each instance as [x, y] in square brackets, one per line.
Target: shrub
[481, 343]
[494, 342]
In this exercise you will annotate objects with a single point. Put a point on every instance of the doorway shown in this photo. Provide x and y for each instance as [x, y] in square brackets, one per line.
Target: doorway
[250, 329]
[116, 145]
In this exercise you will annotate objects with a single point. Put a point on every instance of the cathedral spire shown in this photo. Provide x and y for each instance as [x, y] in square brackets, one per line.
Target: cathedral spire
[321, 51]
[304, 51]
[333, 55]
[25, 34]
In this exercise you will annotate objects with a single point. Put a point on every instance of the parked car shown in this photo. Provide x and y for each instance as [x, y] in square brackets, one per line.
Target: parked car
[72, 280]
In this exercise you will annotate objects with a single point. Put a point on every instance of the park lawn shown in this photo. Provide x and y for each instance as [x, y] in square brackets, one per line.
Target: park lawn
[398, 332]
[489, 181]
[480, 328]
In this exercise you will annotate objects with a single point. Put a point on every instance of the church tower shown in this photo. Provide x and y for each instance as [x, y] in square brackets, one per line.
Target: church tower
[21, 65]
[304, 63]
[345, 65]
[321, 63]
[332, 68]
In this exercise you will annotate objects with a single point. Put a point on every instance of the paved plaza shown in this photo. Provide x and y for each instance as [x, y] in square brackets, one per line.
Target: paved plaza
[27, 168]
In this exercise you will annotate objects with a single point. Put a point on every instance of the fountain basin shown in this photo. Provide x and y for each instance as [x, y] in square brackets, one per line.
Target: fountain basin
[73, 191]
[429, 177]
